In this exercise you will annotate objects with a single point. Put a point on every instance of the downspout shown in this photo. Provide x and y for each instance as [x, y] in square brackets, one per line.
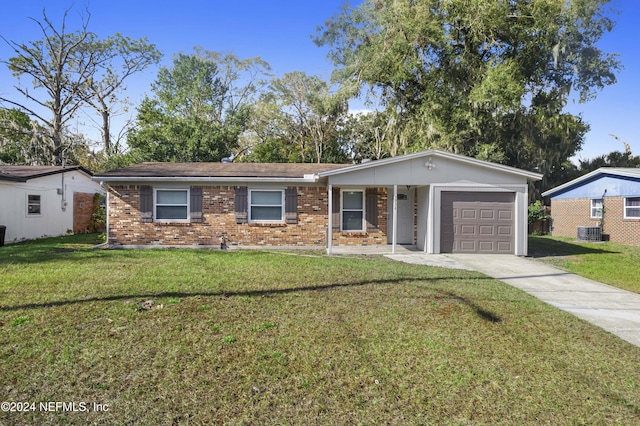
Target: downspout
[63, 202]
[603, 213]
[330, 219]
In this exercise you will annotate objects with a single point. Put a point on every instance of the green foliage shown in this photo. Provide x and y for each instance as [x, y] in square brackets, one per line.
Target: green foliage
[298, 122]
[99, 214]
[198, 110]
[613, 159]
[16, 139]
[483, 78]
[21, 321]
[537, 212]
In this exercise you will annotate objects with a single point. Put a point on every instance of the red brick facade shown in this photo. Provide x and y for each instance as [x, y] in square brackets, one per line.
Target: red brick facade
[568, 214]
[218, 219]
[82, 210]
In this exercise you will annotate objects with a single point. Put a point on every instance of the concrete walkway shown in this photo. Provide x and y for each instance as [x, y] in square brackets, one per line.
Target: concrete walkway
[613, 309]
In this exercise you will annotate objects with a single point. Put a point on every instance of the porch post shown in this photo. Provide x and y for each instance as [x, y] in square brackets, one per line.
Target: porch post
[395, 219]
[330, 221]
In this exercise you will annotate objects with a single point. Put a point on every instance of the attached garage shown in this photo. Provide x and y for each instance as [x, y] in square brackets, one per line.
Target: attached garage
[477, 222]
[440, 202]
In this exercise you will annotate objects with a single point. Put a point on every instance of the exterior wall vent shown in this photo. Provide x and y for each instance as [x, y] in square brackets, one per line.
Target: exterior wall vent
[589, 233]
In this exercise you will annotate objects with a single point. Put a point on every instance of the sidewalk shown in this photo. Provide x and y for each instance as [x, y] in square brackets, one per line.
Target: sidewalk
[613, 309]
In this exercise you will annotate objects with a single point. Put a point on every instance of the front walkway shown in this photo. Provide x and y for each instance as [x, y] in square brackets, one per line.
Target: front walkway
[613, 309]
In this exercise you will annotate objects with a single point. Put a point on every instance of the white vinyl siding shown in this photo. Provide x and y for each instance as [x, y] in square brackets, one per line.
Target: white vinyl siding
[266, 206]
[171, 205]
[352, 210]
[596, 208]
[632, 208]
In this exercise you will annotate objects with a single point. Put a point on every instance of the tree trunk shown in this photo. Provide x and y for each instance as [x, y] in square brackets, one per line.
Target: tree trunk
[106, 133]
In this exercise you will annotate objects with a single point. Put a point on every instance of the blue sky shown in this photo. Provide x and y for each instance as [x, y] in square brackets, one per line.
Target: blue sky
[280, 32]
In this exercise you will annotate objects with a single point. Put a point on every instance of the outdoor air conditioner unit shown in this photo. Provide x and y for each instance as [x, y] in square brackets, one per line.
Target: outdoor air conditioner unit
[589, 233]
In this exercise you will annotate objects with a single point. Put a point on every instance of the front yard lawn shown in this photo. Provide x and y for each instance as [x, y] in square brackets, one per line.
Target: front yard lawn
[610, 263]
[278, 338]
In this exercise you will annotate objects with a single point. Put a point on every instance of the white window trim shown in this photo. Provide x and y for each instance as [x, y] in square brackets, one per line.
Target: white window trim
[630, 207]
[27, 206]
[250, 205]
[155, 205]
[592, 207]
[364, 213]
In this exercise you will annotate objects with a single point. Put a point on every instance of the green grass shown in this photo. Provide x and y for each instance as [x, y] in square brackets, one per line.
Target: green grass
[614, 264]
[269, 338]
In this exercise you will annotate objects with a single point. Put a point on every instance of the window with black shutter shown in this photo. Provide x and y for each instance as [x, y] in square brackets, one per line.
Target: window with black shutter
[372, 209]
[195, 207]
[291, 205]
[241, 204]
[146, 204]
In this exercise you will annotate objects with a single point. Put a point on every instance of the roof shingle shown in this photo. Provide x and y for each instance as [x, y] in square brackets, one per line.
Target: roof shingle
[24, 173]
[230, 170]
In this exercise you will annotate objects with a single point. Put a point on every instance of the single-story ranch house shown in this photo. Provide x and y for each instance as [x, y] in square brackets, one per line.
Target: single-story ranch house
[608, 198]
[435, 201]
[39, 201]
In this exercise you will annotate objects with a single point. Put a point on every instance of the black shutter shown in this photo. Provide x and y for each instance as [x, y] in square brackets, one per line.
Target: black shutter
[195, 205]
[372, 209]
[241, 204]
[335, 195]
[291, 205]
[146, 204]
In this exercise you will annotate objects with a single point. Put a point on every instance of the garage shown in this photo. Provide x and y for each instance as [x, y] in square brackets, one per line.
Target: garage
[477, 222]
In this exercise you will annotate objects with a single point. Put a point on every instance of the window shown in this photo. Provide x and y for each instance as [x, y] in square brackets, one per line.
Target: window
[266, 206]
[172, 205]
[596, 208]
[632, 208]
[352, 211]
[33, 205]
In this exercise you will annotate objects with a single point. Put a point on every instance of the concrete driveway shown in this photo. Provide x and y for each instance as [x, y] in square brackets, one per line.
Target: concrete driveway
[613, 309]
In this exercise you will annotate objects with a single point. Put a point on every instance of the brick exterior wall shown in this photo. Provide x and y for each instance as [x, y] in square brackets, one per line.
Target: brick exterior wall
[82, 210]
[568, 214]
[218, 212]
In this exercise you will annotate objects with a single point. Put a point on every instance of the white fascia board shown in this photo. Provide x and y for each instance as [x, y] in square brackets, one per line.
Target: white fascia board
[434, 153]
[129, 179]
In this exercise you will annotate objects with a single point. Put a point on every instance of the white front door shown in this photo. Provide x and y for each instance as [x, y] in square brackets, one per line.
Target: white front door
[405, 216]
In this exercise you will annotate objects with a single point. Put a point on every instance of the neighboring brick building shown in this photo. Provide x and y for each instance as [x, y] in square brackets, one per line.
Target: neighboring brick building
[608, 198]
[379, 203]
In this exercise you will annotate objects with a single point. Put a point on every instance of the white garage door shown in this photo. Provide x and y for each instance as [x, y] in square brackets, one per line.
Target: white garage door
[477, 222]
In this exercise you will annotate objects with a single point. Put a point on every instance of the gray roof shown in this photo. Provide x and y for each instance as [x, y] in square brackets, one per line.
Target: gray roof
[221, 170]
[626, 172]
[24, 173]
[532, 176]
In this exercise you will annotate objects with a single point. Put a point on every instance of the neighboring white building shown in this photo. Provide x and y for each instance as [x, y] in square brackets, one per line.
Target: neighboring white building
[44, 201]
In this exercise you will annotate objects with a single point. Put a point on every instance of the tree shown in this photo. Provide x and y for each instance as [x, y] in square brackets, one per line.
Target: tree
[464, 75]
[17, 144]
[25, 141]
[199, 108]
[61, 65]
[117, 58]
[310, 114]
[612, 159]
